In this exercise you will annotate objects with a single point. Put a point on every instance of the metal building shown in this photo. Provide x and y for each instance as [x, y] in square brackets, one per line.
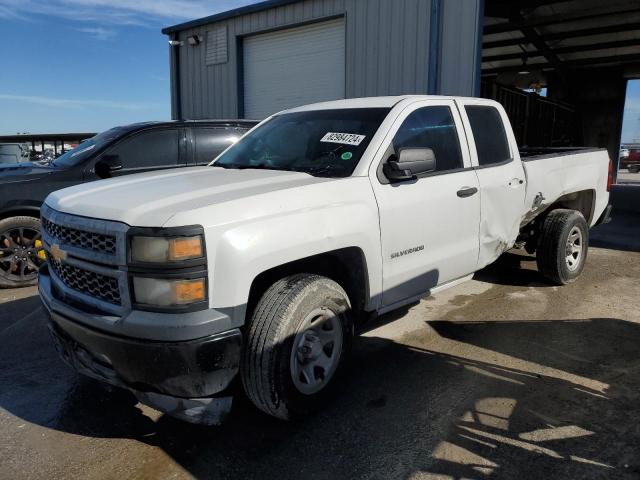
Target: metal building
[256, 60]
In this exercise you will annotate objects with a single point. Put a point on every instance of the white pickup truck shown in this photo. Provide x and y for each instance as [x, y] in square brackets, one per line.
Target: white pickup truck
[174, 283]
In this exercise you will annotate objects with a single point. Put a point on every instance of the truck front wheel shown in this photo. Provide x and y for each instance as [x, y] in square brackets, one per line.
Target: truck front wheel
[296, 345]
[563, 245]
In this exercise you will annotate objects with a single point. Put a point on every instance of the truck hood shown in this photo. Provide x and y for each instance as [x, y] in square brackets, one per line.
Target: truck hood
[151, 199]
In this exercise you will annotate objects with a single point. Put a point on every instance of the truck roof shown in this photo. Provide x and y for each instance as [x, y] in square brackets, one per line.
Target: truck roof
[373, 102]
[215, 122]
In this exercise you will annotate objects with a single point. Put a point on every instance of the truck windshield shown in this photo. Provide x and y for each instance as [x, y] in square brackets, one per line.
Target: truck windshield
[326, 143]
[88, 147]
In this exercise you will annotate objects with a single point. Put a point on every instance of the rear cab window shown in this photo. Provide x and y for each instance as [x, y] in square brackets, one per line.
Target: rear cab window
[489, 134]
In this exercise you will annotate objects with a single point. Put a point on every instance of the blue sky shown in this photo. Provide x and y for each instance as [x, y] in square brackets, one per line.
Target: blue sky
[87, 65]
[631, 120]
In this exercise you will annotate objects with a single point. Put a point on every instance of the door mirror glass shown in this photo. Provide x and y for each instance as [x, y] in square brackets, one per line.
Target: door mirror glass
[410, 163]
[108, 164]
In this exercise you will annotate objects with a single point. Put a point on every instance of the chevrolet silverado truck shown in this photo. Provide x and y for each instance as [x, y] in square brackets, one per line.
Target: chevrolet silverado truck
[256, 267]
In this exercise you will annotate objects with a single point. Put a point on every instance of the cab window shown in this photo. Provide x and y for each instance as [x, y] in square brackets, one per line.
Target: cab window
[211, 142]
[488, 132]
[434, 128]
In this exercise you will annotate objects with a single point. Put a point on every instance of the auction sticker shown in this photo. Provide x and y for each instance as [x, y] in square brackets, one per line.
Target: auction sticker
[344, 138]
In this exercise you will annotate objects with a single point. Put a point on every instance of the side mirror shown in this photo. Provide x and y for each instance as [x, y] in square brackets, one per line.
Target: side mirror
[108, 164]
[410, 163]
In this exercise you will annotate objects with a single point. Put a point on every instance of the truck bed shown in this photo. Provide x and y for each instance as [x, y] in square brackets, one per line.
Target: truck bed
[528, 154]
[556, 172]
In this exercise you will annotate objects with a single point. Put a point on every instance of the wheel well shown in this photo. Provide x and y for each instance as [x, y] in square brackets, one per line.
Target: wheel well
[24, 212]
[346, 266]
[582, 202]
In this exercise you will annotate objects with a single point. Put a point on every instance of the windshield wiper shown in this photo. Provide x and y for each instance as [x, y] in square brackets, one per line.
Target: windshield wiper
[228, 167]
[259, 166]
[321, 171]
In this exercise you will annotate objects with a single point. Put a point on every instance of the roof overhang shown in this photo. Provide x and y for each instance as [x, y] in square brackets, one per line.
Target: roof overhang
[237, 12]
[560, 35]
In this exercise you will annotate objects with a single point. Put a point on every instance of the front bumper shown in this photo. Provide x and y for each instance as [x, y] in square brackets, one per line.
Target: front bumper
[178, 377]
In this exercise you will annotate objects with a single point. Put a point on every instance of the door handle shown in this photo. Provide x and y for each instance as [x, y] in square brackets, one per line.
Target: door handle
[467, 192]
[515, 182]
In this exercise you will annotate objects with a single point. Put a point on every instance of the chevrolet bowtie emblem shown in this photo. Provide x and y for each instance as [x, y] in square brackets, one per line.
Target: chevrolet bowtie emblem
[57, 254]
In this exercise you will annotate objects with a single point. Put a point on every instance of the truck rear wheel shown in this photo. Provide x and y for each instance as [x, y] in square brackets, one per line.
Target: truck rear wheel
[563, 245]
[297, 342]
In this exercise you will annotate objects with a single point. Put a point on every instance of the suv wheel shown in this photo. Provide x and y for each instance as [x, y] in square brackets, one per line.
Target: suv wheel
[297, 343]
[21, 251]
[563, 246]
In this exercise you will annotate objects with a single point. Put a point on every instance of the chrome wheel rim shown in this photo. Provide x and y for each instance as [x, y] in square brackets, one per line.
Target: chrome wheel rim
[574, 249]
[316, 351]
[21, 254]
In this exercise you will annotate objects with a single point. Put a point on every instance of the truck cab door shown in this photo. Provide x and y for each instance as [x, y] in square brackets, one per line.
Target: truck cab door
[495, 157]
[428, 224]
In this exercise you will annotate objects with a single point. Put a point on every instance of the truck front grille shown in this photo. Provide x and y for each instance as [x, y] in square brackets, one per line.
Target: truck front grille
[78, 238]
[90, 283]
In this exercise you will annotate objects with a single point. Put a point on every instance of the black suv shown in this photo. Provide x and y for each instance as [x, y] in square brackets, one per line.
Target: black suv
[135, 148]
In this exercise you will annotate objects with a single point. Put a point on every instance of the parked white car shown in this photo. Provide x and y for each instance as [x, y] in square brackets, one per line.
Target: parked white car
[173, 283]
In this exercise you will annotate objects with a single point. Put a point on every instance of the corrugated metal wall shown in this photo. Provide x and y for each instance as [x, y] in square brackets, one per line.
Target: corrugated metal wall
[461, 47]
[387, 50]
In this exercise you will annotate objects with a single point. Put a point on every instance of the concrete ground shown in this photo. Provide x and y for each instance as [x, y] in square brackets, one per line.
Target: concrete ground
[501, 377]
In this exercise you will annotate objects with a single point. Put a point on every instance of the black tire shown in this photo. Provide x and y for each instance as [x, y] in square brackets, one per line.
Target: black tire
[552, 246]
[634, 169]
[266, 370]
[14, 275]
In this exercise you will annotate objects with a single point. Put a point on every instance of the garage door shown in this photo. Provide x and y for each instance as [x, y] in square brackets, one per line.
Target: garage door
[292, 67]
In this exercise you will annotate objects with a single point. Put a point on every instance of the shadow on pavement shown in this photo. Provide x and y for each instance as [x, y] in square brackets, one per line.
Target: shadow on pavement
[514, 268]
[497, 399]
[622, 233]
[12, 312]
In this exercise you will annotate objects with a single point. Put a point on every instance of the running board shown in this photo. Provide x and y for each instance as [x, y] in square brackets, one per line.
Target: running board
[410, 300]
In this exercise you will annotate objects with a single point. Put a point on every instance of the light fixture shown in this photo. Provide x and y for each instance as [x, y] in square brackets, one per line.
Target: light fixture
[524, 70]
[175, 43]
[194, 40]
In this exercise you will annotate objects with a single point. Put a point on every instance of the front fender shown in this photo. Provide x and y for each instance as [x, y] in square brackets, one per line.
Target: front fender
[13, 209]
[244, 251]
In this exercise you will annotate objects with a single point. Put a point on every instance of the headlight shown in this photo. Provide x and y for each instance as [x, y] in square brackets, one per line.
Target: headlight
[165, 249]
[167, 292]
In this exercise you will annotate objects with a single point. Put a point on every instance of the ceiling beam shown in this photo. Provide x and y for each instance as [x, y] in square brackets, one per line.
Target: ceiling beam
[553, 20]
[510, 56]
[541, 46]
[585, 32]
[629, 58]
[632, 42]
[504, 8]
